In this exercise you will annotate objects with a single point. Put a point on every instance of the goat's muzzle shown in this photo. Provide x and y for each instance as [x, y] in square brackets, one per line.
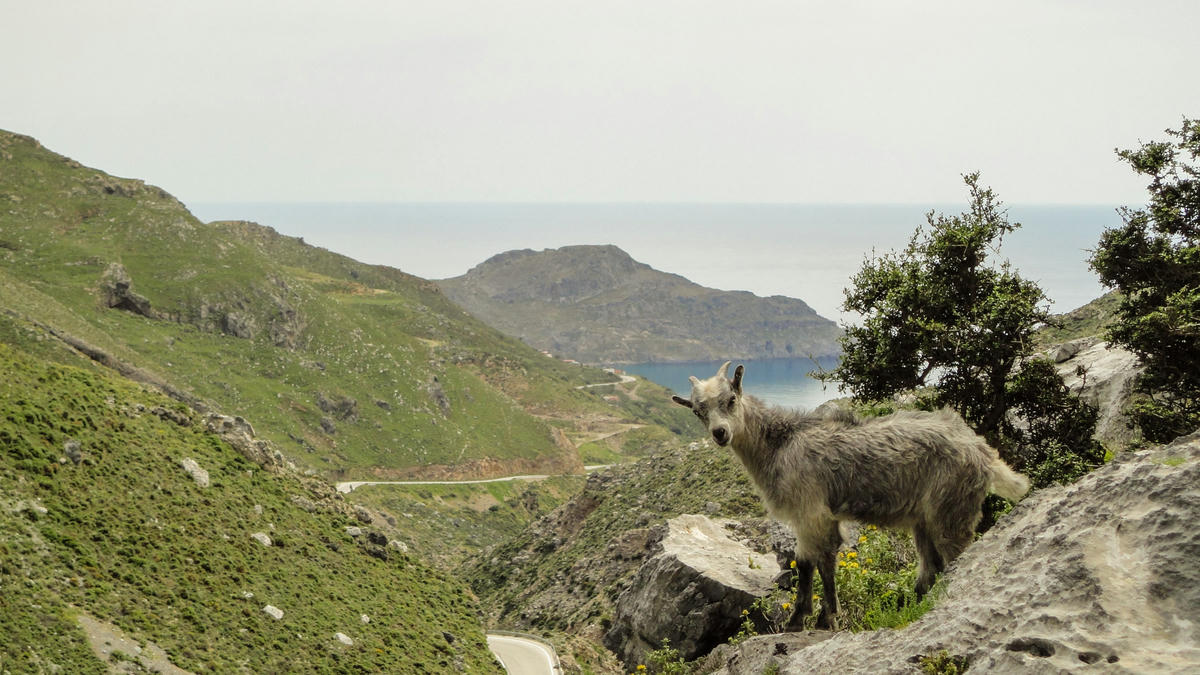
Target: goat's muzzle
[721, 436]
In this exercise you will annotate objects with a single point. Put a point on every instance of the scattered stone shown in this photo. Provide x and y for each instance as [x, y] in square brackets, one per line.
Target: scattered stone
[274, 611]
[364, 618]
[247, 595]
[73, 451]
[398, 545]
[195, 471]
[258, 510]
[354, 531]
[343, 408]
[262, 538]
[363, 515]
[328, 426]
[344, 639]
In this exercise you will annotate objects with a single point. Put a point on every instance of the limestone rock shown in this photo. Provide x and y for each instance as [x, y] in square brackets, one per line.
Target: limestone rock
[262, 538]
[273, 611]
[1102, 375]
[691, 593]
[72, 449]
[116, 288]
[194, 470]
[237, 432]
[344, 639]
[1101, 573]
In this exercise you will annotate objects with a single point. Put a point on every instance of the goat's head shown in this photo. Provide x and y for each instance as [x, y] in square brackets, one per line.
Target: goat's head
[717, 402]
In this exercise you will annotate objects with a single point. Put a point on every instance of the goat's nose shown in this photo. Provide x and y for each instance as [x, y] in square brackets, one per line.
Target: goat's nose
[721, 435]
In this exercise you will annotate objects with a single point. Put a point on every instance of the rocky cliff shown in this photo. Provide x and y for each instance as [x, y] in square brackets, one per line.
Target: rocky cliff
[598, 305]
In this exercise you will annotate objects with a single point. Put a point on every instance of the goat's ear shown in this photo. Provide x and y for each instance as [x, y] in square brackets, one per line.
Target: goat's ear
[682, 401]
[737, 379]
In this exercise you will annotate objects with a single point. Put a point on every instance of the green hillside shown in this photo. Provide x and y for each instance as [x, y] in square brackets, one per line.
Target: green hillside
[100, 519]
[353, 370]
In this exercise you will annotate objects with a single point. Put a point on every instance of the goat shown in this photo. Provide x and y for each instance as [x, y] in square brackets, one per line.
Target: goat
[925, 471]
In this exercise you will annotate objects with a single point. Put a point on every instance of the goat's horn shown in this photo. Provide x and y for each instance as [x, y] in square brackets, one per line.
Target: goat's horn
[724, 367]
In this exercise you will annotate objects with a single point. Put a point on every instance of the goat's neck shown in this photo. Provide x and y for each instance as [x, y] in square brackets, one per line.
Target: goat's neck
[763, 432]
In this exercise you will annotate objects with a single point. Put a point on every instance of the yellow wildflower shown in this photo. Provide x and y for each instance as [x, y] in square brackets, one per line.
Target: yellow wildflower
[793, 564]
[816, 597]
[787, 605]
[862, 539]
[641, 667]
[852, 554]
[853, 565]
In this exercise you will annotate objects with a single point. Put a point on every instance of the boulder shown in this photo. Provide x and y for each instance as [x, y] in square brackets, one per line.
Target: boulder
[1101, 573]
[194, 470]
[116, 288]
[1104, 376]
[692, 593]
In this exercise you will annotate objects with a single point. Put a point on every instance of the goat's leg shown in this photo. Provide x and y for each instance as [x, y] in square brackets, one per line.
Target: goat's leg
[931, 561]
[827, 619]
[831, 540]
[803, 604]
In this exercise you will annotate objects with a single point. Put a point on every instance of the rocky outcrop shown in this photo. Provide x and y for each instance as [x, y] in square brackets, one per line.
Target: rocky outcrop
[692, 593]
[343, 408]
[1104, 376]
[1101, 573]
[116, 291]
[237, 432]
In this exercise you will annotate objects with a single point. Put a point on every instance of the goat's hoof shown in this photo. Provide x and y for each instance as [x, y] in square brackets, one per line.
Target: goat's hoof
[826, 622]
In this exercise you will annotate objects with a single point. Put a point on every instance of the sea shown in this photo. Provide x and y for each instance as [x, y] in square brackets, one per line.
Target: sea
[805, 251]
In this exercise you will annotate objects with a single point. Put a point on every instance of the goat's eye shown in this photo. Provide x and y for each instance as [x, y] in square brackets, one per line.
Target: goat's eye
[731, 403]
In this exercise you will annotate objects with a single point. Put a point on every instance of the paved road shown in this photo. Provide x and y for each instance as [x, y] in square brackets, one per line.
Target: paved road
[625, 379]
[349, 486]
[522, 656]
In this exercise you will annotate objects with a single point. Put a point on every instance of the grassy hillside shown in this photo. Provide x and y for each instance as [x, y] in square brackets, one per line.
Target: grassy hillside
[1092, 319]
[351, 369]
[100, 518]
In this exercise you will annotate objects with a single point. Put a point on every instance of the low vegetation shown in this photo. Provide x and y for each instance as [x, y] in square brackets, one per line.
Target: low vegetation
[99, 515]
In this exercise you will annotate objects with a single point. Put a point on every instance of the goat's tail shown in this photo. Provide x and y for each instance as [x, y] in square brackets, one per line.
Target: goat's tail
[1005, 482]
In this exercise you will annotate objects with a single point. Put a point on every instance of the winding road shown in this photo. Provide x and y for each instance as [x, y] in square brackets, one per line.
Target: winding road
[351, 485]
[523, 656]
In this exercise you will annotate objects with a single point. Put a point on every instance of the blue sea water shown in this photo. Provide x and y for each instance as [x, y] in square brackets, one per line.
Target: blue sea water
[806, 251]
[782, 382]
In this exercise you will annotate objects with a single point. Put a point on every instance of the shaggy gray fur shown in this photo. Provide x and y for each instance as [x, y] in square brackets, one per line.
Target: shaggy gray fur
[927, 472]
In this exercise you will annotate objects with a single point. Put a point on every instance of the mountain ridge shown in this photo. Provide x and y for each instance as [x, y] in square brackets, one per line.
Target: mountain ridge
[597, 304]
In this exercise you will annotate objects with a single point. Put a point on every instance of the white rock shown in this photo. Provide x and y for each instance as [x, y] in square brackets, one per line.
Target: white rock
[262, 538]
[194, 470]
[274, 611]
[365, 619]
[354, 531]
[343, 638]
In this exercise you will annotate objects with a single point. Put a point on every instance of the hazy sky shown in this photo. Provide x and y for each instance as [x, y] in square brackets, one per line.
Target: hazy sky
[615, 100]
